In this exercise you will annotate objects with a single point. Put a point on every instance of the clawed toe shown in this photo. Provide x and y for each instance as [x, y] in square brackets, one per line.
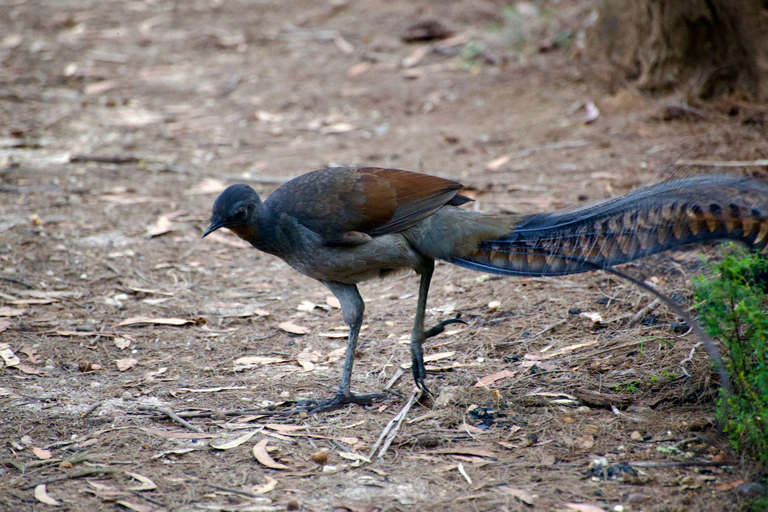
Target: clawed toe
[340, 400]
[439, 328]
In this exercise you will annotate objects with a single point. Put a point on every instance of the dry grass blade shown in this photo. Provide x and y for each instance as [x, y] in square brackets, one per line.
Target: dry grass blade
[390, 431]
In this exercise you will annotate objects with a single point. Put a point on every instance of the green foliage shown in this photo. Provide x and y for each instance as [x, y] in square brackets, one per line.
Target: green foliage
[732, 308]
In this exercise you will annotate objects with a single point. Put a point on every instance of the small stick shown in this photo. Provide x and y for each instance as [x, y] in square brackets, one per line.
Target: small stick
[17, 281]
[548, 328]
[690, 354]
[235, 491]
[390, 431]
[172, 416]
[105, 159]
[90, 409]
[79, 474]
[726, 163]
[643, 312]
[670, 464]
[399, 373]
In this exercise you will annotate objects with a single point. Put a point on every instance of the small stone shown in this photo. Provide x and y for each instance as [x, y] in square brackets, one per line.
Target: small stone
[679, 327]
[636, 436]
[66, 465]
[751, 489]
[574, 311]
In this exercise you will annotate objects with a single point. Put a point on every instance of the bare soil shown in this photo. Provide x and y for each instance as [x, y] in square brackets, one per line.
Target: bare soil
[121, 121]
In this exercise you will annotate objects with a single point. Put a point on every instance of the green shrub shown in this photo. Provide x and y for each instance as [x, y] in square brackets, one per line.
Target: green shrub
[732, 309]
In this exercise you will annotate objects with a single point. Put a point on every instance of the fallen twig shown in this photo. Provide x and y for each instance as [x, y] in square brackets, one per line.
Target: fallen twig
[390, 431]
[105, 159]
[71, 476]
[644, 312]
[671, 464]
[399, 373]
[725, 163]
[90, 409]
[172, 416]
[17, 281]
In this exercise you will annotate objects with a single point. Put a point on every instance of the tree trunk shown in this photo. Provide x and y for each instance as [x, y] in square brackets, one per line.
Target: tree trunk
[714, 47]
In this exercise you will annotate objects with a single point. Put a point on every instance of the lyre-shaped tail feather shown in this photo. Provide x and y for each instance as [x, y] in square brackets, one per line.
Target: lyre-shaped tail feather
[647, 221]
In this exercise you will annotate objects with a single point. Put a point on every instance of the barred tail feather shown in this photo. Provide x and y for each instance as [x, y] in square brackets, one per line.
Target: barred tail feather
[651, 220]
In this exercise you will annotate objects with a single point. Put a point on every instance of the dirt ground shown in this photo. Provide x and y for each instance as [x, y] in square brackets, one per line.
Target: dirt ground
[122, 120]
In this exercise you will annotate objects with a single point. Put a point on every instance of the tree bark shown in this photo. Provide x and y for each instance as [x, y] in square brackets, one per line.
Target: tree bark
[714, 47]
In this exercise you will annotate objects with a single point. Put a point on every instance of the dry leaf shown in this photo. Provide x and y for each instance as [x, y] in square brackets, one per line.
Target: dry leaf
[592, 112]
[125, 364]
[520, 494]
[146, 483]
[207, 186]
[41, 453]
[307, 359]
[156, 321]
[122, 343]
[177, 435]
[593, 316]
[135, 507]
[416, 56]
[333, 334]
[355, 457]
[234, 443]
[99, 87]
[342, 44]
[163, 224]
[29, 370]
[6, 311]
[4, 325]
[337, 128]
[335, 355]
[231, 241]
[333, 302]
[498, 163]
[293, 328]
[261, 312]
[306, 306]
[267, 487]
[8, 356]
[490, 379]
[430, 358]
[255, 360]
[584, 507]
[359, 69]
[30, 352]
[260, 452]
[41, 495]
[729, 486]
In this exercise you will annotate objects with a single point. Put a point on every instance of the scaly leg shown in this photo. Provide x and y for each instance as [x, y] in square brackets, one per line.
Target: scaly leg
[417, 335]
[352, 309]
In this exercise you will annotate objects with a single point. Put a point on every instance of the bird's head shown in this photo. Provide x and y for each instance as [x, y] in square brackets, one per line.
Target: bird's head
[235, 209]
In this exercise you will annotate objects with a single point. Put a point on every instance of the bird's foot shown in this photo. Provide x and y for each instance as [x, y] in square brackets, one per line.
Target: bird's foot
[340, 400]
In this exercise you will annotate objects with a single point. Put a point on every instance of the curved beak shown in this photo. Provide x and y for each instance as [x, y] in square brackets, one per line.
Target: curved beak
[215, 224]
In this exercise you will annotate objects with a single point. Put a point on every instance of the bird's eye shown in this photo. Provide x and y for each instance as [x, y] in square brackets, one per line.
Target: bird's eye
[239, 216]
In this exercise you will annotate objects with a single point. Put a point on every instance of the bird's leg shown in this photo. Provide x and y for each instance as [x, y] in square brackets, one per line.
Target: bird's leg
[352, 309]
[426, 270]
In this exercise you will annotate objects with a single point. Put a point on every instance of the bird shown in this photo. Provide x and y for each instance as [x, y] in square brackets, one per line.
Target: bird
[346, 225]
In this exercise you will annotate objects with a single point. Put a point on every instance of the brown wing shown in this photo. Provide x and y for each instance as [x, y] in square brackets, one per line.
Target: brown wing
[339, 202]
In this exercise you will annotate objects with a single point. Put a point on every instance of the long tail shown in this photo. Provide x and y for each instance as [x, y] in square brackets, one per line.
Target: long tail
[647, 221]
